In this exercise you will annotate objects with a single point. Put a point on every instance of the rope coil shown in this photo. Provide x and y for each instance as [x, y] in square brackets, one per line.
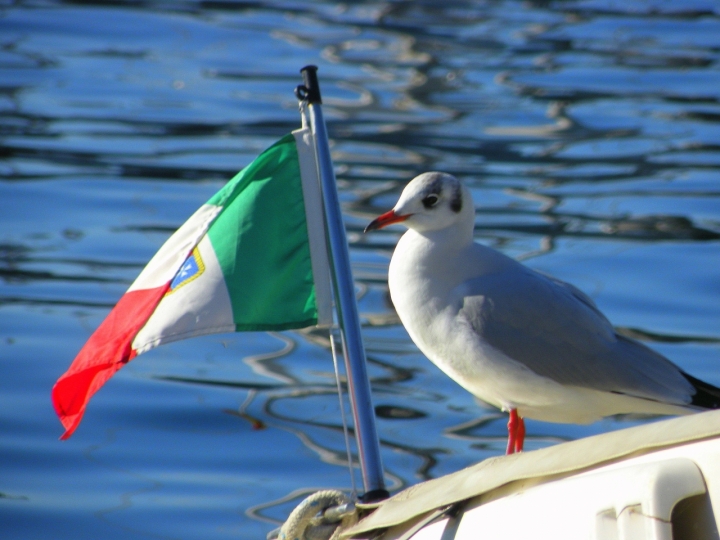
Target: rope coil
[321, 516]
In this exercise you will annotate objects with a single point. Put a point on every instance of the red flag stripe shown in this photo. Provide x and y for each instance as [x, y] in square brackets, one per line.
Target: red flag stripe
[108, 349]
[110, 346]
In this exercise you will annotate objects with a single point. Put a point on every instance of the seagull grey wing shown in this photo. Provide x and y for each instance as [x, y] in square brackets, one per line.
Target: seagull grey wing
[557, 332]
[579, 295]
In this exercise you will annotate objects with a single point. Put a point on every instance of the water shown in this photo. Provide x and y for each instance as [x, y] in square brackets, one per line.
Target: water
[588, 131]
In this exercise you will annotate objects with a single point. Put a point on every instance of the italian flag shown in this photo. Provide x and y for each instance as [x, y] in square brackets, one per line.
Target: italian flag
[252, 258]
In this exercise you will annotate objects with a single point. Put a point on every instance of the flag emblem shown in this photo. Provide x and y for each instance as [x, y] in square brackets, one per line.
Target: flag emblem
[191, 270]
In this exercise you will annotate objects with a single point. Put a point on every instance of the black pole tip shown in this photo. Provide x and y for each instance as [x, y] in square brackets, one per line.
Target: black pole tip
[310, 91]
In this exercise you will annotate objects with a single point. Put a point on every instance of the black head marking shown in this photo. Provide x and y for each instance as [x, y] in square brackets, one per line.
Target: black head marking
[431, 193]
[435, 188]
[456, 201]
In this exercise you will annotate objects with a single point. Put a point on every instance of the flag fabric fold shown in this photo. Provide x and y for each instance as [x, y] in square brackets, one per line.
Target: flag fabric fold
[252, 258]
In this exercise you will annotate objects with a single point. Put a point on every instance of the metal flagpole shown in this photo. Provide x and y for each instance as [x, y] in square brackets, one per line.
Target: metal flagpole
[353, 351]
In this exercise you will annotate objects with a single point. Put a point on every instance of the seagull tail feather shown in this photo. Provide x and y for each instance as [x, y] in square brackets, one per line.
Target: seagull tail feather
[706, 395]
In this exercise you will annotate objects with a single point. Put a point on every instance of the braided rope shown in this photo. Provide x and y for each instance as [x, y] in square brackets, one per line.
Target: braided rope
[307, 521]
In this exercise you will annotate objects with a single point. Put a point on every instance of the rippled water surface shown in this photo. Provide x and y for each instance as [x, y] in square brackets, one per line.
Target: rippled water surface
[588, 131]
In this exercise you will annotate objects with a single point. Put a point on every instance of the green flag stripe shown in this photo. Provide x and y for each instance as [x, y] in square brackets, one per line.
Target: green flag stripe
[261, 242]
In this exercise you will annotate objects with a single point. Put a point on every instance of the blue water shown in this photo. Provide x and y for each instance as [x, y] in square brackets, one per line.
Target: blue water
[589, 132]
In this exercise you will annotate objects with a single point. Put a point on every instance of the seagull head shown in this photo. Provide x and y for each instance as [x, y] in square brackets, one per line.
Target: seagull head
[430, 202]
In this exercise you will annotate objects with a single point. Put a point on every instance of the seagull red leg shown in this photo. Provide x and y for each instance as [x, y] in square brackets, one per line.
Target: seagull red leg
[516, 433]
[513, 424]
[520, 434]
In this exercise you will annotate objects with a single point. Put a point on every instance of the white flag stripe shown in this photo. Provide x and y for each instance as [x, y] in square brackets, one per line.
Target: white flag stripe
[315, 216]
[199, 305]
[167, 261]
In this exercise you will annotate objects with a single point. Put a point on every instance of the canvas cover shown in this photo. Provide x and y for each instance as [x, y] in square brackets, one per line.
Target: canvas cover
[549, 463]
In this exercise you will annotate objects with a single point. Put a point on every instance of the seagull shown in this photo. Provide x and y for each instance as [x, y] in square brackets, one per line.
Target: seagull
[522, 341]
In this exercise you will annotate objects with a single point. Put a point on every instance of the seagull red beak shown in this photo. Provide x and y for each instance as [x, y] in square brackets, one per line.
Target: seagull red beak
[388, 218]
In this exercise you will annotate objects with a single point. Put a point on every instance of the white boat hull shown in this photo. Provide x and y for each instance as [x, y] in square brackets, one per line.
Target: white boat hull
[659, 481]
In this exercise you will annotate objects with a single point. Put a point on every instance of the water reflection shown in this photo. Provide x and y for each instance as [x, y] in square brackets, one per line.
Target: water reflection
[295, 405]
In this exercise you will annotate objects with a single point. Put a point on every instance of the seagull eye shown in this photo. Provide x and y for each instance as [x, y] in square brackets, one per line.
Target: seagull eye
[430, 201]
